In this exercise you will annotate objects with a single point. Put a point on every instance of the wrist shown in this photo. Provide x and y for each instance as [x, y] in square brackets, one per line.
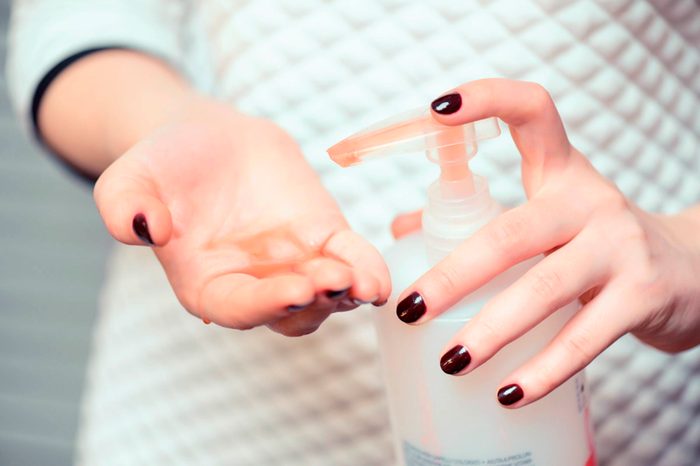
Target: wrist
[134, 121]
[104, 103]
[687, 226]
[675, 250]
[153, 96]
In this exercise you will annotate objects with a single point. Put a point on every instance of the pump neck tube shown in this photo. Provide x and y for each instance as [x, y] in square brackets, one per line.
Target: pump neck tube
[449, 220]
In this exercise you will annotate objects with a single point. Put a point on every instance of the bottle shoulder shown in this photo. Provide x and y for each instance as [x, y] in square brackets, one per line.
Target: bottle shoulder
[407, 260]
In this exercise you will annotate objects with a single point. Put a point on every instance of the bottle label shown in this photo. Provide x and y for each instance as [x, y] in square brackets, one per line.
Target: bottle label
[414, 456]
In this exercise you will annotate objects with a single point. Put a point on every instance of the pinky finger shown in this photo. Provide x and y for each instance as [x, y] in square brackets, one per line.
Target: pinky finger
[582, 339]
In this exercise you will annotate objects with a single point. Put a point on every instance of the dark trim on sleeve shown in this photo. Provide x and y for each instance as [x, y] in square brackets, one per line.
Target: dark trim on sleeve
[41, 89]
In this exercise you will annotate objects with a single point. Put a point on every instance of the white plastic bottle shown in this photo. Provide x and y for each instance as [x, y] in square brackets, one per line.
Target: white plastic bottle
[439, 419]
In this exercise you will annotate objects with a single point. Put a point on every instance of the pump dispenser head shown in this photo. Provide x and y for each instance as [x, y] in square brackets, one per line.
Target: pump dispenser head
[458, 203]
[449, 146]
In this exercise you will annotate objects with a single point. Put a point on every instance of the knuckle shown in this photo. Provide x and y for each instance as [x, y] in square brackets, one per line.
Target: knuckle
[618, 216]
[640, 262]
[579, 348]
[634, 231]
[545, 285]
[447, 277]
[651, 283]
[508, 232]
[644, 273]
[546, 378]
[541, 98]
[343, 245]
[614, 200]
[612, 211]
[490, 331]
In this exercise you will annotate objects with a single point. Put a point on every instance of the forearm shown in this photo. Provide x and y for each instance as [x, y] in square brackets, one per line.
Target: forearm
[102, 104]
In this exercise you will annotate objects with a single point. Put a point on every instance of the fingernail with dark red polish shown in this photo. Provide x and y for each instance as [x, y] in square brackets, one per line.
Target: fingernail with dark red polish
[360, 302]
[379, 303]
[338, 294]
[411, 308]
[510, 394]
[140, 227]
[299, 307]
[455, 360]
[447, 104]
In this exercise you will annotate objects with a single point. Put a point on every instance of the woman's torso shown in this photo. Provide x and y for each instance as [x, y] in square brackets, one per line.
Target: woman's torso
[626, 78]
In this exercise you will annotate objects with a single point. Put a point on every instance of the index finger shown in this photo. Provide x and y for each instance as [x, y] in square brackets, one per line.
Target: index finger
[526, 107]
[514, 236]
[241, 301]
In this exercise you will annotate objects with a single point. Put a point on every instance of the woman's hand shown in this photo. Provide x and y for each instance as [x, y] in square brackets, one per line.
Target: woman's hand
[240, 222]
[633, 271]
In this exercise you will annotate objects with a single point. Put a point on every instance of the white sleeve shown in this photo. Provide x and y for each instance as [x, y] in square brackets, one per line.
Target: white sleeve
[43, 33]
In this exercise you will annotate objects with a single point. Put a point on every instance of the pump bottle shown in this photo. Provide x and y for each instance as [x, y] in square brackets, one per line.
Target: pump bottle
[439, 419]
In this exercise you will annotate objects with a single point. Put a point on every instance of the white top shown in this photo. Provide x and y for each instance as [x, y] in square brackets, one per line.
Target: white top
[165, 389]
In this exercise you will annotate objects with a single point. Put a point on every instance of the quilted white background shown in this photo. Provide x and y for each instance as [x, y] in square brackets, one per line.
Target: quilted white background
[626, 78]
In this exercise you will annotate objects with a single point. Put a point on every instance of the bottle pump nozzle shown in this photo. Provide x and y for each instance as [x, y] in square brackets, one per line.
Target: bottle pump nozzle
[449, 146]
[457, 199]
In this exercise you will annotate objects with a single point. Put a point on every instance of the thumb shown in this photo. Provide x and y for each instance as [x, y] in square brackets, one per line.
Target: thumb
[405, 224]
[130, 206]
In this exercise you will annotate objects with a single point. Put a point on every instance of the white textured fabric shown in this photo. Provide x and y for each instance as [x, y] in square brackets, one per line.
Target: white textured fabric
[164, 389]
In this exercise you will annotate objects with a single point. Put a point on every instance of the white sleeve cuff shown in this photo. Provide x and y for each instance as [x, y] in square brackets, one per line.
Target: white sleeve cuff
[44, 33]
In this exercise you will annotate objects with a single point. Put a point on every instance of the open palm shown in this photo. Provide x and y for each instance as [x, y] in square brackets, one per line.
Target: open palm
[245, 231]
